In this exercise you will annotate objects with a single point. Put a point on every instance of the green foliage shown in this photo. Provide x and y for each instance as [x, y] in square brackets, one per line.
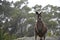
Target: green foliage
[52, 24]
[49, 34]
[6, 36]
[9, 37]
[1, 34]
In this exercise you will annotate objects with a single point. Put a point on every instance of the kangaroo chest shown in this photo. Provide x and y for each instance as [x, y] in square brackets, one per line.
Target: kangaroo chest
[39, 24]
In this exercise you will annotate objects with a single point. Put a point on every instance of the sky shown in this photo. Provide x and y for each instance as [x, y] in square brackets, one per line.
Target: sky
[42, 2]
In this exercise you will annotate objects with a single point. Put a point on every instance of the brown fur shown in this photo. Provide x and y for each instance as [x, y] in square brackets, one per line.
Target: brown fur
[40, 27]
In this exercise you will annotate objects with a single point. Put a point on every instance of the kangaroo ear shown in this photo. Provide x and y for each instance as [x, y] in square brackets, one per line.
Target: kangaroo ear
[36, 12]
[40, 13]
